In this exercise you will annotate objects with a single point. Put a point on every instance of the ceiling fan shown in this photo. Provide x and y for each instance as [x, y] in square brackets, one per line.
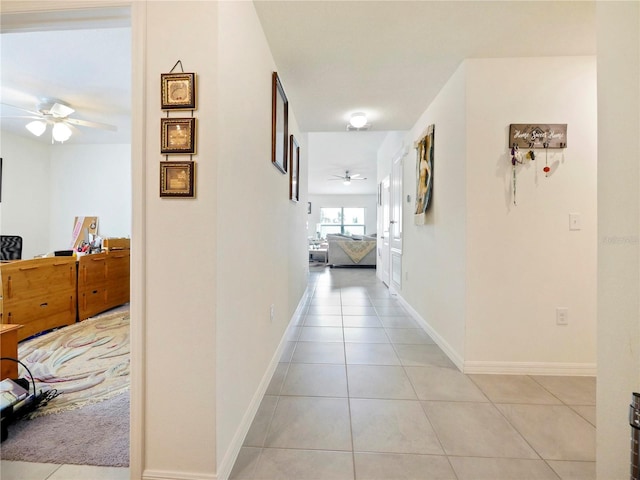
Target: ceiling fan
[54, 112]
[347, 177]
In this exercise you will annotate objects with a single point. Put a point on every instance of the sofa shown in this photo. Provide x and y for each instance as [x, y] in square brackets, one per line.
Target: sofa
[351, 251]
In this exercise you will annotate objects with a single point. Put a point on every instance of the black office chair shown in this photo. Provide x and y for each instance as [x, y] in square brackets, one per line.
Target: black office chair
[10, 247]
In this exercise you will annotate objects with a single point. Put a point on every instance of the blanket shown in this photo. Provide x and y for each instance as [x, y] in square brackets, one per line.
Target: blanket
[357, 250]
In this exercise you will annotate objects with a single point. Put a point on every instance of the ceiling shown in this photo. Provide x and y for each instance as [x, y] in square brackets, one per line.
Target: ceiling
[88, 69]
[388, 59]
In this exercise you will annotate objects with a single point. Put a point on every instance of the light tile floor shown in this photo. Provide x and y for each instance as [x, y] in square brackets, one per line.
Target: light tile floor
[362, 392]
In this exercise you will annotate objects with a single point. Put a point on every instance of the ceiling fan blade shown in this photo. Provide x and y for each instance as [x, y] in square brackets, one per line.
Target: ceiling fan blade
[60, 111]
[355, 176]
[26, 116]
[23, 109]
[363, 178]
[85, 123]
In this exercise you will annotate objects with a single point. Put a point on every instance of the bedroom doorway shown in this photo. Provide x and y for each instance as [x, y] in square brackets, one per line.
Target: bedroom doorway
[22, 19]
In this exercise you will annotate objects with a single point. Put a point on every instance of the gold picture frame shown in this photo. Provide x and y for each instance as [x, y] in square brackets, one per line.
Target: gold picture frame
[178, 135]
[279, 124]
[178, 91]
[177, 179]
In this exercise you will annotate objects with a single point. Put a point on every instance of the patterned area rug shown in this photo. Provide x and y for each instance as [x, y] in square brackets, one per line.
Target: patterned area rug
[87, 362]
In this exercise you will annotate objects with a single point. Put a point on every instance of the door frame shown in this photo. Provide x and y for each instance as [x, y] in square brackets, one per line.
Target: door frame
[395, 220]
[55, 14]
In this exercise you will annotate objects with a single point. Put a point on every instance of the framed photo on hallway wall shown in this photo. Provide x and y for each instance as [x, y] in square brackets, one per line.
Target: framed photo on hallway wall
[177, 179]
[178, 91]
[294, 173]
[178, 135]
[279, 124]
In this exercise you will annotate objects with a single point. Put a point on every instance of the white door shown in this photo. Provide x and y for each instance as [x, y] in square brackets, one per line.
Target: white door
[385, 217]
[395, 224]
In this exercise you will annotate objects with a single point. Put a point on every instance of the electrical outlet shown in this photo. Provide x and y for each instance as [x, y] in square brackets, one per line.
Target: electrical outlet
[272, 312]
[562, 316]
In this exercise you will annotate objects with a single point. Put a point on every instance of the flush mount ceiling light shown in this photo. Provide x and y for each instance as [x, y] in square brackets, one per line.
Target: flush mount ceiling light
[358, 121]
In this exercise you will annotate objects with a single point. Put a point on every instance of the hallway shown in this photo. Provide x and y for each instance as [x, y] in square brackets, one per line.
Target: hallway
[362, 392]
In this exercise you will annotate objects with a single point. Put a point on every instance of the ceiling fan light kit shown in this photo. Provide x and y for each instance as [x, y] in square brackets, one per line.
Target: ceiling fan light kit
[51, 111]
[347, 177]
[60, 132]
[37, 127]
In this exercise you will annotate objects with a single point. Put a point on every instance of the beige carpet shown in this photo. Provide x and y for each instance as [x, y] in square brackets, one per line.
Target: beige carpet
[87, 362]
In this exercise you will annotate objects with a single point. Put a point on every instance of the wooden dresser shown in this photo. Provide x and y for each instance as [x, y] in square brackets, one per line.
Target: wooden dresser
[39, 294]
[103, 282]
[9, 348]
[45, 293]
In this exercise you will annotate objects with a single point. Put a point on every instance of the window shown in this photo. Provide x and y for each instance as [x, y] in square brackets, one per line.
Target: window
[348, 221]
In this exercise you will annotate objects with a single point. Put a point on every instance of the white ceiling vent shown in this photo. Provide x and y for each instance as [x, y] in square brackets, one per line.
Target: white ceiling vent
[351, 128]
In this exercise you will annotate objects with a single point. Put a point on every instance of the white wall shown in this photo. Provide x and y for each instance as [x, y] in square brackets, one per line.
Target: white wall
[523, 261]
[46, 186]
[89, 180]
[262, 246]
[484, 274]
[180, 254]
[369, 202]
[215, 264]
[24, 210]
[618, 30]
[434, 259]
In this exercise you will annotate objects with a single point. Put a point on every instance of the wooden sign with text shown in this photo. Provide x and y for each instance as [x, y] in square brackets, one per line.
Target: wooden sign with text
[538, 135]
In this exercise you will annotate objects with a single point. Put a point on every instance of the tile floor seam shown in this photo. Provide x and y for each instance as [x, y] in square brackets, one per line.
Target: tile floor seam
[346, 372]
[495, 406]
[546, 462]
[52, 473]
[533, 377]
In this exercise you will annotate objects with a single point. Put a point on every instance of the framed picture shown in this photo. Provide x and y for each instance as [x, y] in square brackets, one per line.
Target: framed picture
[279, 125]
[424, 171]
[294, 173]
[177, 179]
[178, 91]
[178, 135]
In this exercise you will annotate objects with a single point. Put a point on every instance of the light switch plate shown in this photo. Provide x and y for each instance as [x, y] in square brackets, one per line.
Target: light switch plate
[575, 222]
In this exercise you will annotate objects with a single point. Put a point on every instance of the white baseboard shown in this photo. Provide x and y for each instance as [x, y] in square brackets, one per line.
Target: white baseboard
[531, 368]
[503, 368]
[226, 465]
[457, 360]
[168, 475]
